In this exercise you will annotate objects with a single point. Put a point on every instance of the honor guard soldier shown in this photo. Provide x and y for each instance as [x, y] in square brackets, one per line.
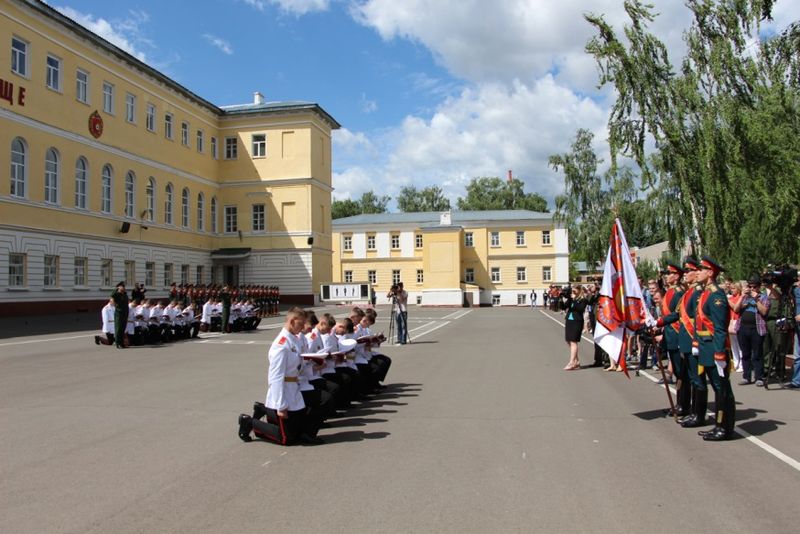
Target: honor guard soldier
[711, 339]
[686, 311]
[669, 319]
[121, 310]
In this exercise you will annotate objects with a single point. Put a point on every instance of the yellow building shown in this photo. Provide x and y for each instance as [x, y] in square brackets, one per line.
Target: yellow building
[453, 258]
[119, 173]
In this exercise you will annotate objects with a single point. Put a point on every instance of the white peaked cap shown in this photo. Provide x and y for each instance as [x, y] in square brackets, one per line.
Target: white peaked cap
[347, 344]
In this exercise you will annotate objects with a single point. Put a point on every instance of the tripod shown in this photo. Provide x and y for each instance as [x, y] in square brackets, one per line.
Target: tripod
[783, 340]
[395, 316]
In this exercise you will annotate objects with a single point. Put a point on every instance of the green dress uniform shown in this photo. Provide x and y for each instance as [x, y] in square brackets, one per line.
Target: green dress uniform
[669, 320]
[711, 337]
[121, 310]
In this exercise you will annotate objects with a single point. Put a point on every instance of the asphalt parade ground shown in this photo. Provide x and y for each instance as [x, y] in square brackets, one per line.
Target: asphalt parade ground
[479, 430]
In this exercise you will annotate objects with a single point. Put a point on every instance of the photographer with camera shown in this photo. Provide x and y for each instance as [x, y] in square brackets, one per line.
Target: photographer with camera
[752, 309]
[400, 297]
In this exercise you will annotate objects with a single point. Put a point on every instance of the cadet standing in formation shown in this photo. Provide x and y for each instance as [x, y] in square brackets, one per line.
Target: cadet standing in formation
[669, 317]
[120, 298]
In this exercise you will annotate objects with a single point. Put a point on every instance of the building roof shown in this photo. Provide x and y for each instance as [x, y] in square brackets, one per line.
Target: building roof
[432, 217]
[125, 57]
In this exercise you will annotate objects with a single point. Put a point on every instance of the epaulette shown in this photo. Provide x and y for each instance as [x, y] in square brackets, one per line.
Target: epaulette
[282, 340]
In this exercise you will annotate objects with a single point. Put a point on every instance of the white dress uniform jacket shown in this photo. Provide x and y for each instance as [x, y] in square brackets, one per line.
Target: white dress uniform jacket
[284, 362]
[331, 344]
[305, 366]
[108, 318]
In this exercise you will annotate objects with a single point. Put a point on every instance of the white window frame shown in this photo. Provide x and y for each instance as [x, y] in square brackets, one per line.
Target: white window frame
[496, 276]
[80, 271]
[259, 143]
[130, 194]
[53, 70]
[547, 273]
[108, 97]
[371, 242]
[495, 300]
[213, 214]
[469, 275]
[259, 217]
[169, 125]
[150, 274]
[169, 202]
[546, 238]
[524, 272]
[199, 274]
[201, 212]
[82, 86]
[231, 214]
[395, 241]
[420, 276]
[396, 279]
[214, 148]
[20, 56]
[81, 183]
[469, 240]
[150, 200]
[130, 272]
[106, 272]
[494, 239]
[231, 148]
[186, 272]
[348, 277]
[372, 276]
[19, 168]
[418, 241]
[347, 243]
[107, 189]
[150, 118]
[185, 199]
[201, 141]
[520, 238]
[52, 173]
[130, 108]
[17, 270]
[522, 298]
[185, 133]
[169, 272]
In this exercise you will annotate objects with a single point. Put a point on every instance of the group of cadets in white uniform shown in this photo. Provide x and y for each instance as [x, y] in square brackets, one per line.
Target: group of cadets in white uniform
[151, 322]
[316, 367]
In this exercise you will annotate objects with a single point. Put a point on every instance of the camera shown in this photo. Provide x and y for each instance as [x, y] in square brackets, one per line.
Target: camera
[784, 277]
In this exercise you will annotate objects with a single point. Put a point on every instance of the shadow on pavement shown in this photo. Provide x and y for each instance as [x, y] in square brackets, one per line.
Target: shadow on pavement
[353, 435]
[761, 426]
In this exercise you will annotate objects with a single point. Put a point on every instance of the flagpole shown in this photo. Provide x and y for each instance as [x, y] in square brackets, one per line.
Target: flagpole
[666, 383]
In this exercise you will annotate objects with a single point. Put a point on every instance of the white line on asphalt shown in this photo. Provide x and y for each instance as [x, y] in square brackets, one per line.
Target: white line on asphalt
[421, 327]
[450, 314]
[431, 330]
[265, 464]
[746, 435]
[41, 340]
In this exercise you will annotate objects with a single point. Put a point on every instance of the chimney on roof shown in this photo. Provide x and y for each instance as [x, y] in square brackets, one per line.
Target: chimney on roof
[258, 98]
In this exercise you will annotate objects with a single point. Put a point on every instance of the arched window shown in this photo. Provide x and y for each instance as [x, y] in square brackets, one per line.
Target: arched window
[168, 204]
[51, 176]
[201, 208]
[185, 208]
[81, 172]
[19, 169]
[107, 179]
[150, 199]
[214, 215]
[130, 194]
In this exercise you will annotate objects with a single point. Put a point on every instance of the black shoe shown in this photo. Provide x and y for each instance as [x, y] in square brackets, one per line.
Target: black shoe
[245, 427]
[305, 439]
[704, 433]
[792, 385]
[96, 340]
[690, 421]
[259, 410]
[718, 434]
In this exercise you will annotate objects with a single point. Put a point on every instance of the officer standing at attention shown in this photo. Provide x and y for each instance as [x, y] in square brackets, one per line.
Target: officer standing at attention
[711, 327]
[225, 297]
[669, 317]
[689, 353]
[120, 298]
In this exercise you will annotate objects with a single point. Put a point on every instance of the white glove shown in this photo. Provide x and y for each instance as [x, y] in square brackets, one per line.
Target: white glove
[695, 351]
[721, 365]
[649, 321]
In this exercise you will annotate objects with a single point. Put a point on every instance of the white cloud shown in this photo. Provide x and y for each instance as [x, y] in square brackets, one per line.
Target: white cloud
[368, 106]
[125, 33]
[220, 43]
[296, 7]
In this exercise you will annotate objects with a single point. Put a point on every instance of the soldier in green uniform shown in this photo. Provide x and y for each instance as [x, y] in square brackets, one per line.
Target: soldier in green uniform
[120, 298]
[669, 319]
[225, 297]
[711, 339]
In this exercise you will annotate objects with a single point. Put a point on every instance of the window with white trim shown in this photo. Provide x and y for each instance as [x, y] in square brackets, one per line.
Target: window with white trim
[149, 274]
[168, 271]
[418, 241]
[231, 148]
[494, 239]
[198, 274]
[259, 145]
[81, 180]
[150, 199]
[19, 168]
[522, 274]
[231, 223]
[108, 98]
[347, 242]
[348, 277]
[185, 208]
[420, 276]
[201, 141]
[185, 133]
[168, 122]
[496, 274]
[53, 74]
[545, 237]
[168, 200]
[547, 274]
[16, 270]
[201, 211]
[106, 272]
[214, 153]
[372, 277]
[395, 276]
[468, 241]
[370, 242]
[395, 241]
[469, 275]
[150, 118]
[259, 218]
[185, 269]
[51, 271]
[130, 273]
[130, 194]
[51, 173]
[80, 272]
[82, 86]
[213, 215]
[522, 298]
[520, 238]
[106, 179]
[130, 107]
[495, 300]
[19, 56]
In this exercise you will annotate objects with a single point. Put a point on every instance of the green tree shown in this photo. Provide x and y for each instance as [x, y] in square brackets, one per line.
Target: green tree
[368, 203]
[430, 198]
[725, 166]
[492, 193]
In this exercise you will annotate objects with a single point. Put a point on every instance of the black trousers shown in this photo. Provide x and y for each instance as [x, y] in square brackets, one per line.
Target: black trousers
[344, 391]
[382, 363]
[283, 431]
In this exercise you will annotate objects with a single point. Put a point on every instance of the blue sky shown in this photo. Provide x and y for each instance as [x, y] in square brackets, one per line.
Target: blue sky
[429, 92]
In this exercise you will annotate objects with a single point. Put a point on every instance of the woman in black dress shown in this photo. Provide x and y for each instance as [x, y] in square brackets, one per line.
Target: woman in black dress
[573, 328]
